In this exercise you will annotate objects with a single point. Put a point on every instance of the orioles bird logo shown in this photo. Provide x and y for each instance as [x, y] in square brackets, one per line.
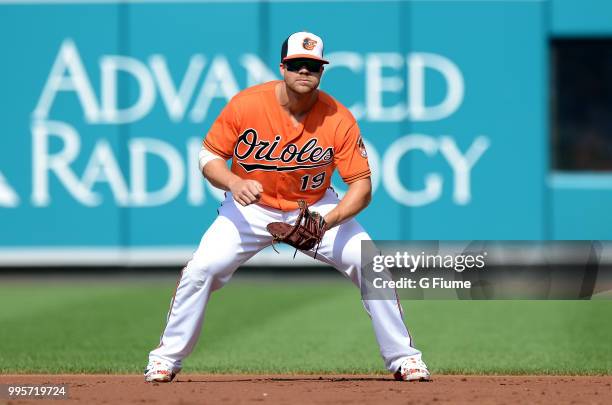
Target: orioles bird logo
[309, 44]
[362, 148]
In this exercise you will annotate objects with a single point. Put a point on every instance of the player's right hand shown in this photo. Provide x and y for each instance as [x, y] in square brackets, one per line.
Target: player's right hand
[246, 192]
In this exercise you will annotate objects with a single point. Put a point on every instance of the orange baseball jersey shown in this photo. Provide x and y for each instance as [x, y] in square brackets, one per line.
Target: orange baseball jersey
[291, 162]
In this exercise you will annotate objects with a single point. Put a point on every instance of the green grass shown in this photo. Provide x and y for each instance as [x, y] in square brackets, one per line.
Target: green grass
[292, 327]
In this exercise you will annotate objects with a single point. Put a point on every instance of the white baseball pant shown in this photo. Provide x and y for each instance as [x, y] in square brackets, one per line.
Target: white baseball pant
[236, 235]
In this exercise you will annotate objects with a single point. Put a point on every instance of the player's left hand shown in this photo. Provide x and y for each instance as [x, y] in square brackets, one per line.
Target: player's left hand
[305, 234]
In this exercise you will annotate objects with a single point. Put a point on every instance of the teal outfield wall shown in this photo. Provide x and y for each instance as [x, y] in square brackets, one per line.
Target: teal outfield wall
[104, 106]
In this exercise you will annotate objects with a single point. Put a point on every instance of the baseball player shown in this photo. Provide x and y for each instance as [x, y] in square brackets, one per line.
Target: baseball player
[285, 139]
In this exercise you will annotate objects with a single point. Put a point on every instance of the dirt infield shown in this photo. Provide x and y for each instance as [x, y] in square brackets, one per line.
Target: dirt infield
[324, 389]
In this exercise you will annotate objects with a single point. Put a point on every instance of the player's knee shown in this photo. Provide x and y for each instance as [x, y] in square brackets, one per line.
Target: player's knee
[352, 273]
[201, 271]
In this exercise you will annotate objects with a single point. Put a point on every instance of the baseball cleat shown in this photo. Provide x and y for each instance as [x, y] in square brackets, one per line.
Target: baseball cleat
[158, 372]
[413, 369]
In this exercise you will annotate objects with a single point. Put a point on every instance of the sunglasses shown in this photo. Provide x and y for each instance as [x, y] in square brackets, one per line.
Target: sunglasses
[311, 65]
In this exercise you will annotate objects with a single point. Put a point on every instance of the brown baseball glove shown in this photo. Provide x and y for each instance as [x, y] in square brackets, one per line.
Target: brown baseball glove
[305, 234]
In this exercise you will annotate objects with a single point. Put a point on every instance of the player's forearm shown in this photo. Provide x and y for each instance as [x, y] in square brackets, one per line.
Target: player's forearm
[357, 197]
[218, 174]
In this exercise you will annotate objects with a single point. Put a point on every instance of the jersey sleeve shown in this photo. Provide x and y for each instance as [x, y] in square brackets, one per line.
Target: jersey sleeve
[222, 136]
[351, 157]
